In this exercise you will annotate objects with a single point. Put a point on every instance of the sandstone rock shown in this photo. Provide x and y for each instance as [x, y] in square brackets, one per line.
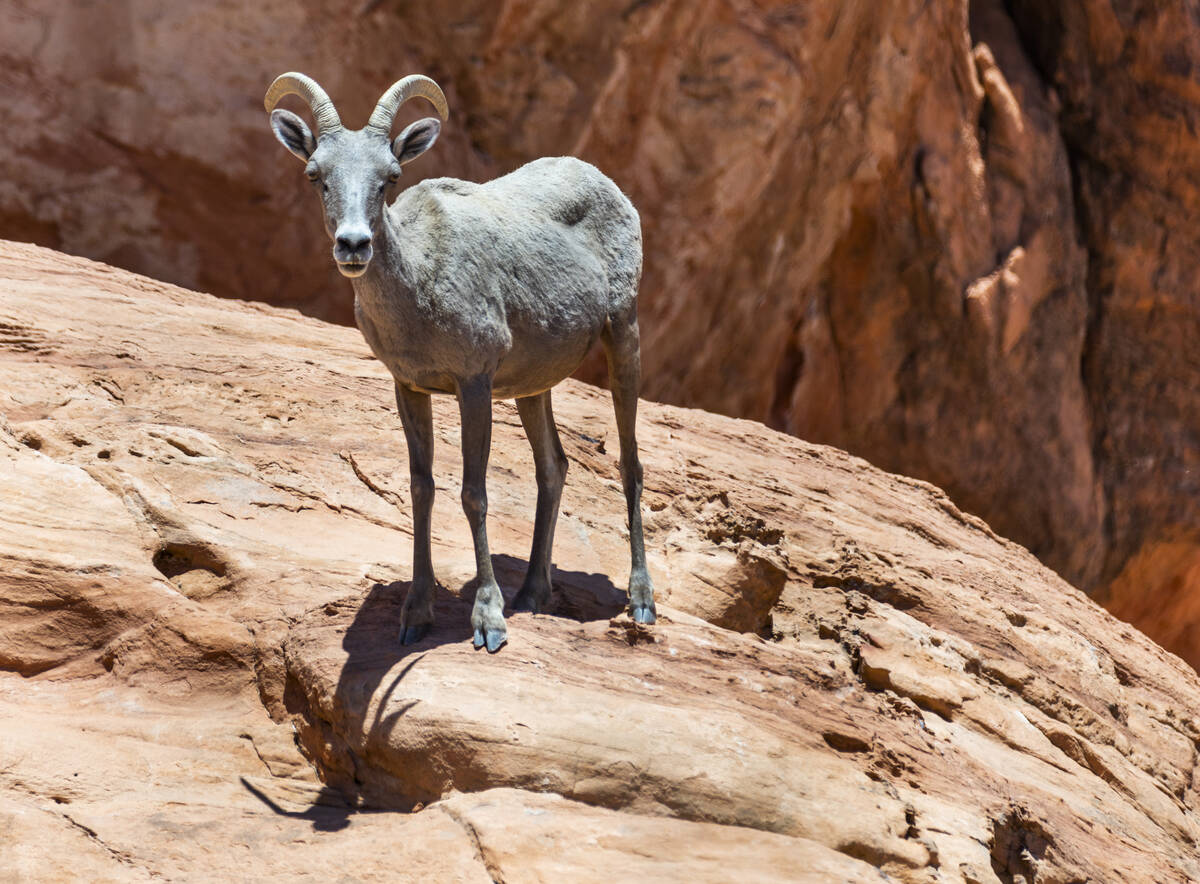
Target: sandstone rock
[640, 731]
[528, 837]
[1124, 73]
[104, 782]
[205, 544]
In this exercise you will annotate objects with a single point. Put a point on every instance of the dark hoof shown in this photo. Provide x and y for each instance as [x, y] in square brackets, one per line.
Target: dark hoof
[642, 613]
[495, 639]
[412, 634]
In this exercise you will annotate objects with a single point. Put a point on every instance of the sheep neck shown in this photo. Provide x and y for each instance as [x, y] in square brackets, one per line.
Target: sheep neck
[387, 287]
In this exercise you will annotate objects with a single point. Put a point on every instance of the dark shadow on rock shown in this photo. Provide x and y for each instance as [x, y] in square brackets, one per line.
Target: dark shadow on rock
[577, 595]
[372, 639]
[374, 656]
[374, 653]
[329, 813]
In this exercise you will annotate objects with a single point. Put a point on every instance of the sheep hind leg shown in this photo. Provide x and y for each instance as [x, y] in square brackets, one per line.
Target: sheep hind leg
[623, 349]
[475, 407]
[550, 465]
[416, 414]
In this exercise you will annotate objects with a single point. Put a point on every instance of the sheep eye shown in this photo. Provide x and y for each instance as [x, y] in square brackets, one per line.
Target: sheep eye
[312, 175]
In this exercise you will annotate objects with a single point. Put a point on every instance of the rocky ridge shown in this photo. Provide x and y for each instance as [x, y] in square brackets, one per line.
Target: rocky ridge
[204, 538]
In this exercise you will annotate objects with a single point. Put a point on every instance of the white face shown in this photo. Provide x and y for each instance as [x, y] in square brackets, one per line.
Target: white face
[352, 172]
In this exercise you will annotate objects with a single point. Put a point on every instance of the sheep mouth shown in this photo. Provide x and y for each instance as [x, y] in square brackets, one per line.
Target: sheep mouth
[352, 269]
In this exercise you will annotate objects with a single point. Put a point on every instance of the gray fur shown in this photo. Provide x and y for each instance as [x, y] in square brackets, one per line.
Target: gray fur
[485, 291]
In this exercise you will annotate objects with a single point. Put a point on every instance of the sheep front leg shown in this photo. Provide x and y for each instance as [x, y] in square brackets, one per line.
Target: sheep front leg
[475, 407]
[416, 414]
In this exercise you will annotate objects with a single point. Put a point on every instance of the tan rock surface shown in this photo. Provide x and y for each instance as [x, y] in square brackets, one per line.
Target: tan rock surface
[553, 839]
[204, 545]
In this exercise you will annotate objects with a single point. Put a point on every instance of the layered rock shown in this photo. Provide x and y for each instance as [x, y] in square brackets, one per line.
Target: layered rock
[205, 545]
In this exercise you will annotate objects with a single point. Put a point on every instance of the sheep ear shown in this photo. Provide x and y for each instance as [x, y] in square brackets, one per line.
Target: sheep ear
[293, 133]
[417, 138]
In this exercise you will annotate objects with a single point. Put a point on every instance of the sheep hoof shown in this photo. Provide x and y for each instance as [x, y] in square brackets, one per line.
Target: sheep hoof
[641, 596]
[642, 613]
[494, 639]
[410, 635]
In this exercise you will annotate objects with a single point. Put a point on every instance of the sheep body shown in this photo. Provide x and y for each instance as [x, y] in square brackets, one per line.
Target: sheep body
[480, 291]
[515, 277]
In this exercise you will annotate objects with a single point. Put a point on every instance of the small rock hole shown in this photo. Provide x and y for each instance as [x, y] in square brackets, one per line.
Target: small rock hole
[194, 569]
[845, 742]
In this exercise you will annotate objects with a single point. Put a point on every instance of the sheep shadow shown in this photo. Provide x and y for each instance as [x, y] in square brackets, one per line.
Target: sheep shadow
[374, 656]
[328, 813]
[372, 640]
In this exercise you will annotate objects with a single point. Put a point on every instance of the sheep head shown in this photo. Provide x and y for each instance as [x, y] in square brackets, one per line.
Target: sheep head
[353, 169]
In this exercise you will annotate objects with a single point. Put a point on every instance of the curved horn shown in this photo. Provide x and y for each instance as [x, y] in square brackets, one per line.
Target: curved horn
[401, 91]
[306, 87]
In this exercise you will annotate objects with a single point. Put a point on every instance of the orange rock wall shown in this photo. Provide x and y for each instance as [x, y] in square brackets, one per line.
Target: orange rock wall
[1128, 76]
[947, 237]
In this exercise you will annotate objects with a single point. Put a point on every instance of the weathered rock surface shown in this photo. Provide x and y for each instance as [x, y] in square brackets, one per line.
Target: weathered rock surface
[952, 238]
[204, 545]
[1126, 74]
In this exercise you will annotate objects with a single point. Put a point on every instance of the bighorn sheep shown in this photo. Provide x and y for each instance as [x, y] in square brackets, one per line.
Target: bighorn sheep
[481, 291]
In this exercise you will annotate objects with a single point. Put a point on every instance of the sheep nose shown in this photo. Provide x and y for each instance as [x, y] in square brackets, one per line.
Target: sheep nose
[353, 241]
